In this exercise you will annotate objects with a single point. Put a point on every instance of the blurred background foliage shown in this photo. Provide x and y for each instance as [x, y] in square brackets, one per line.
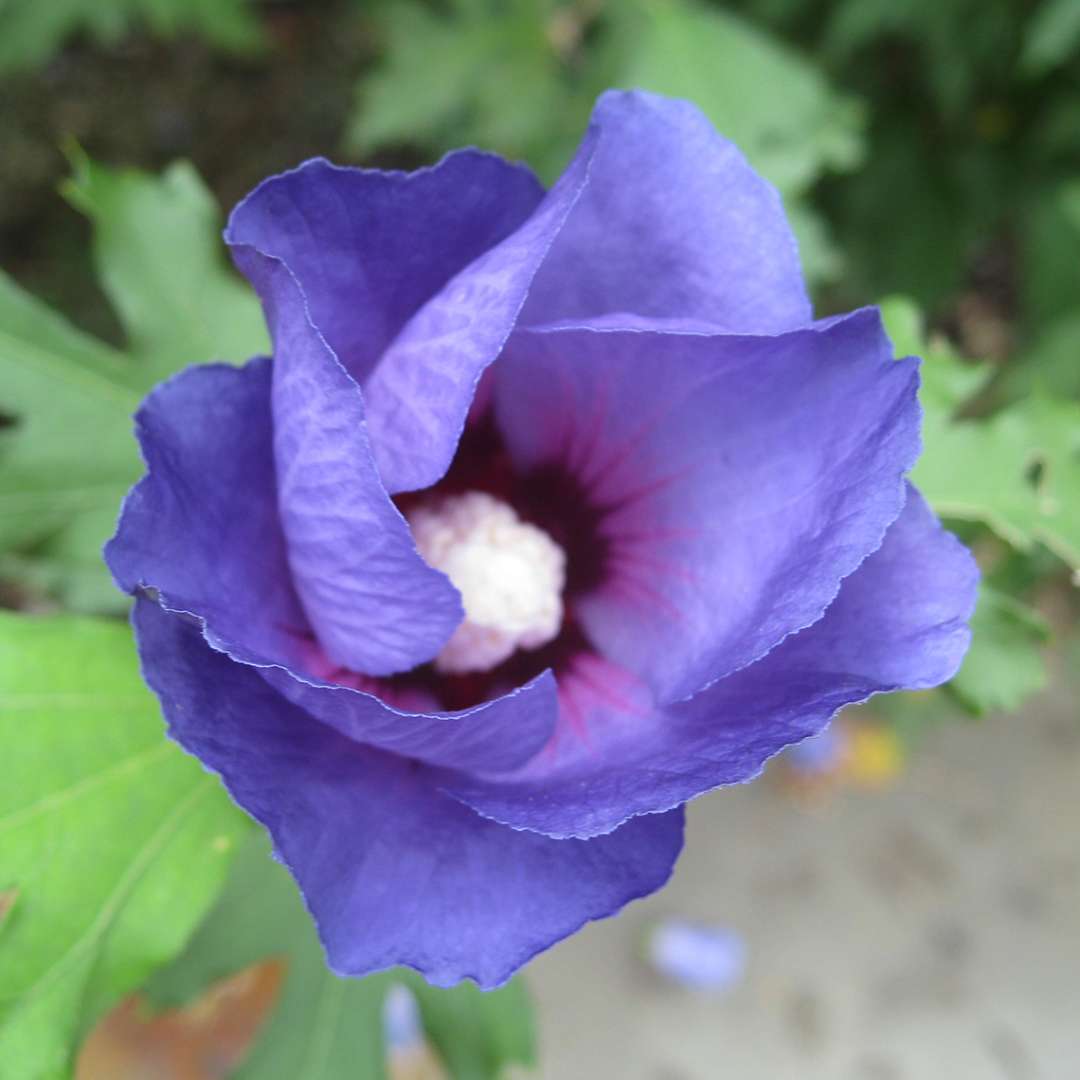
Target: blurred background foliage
[928, 154]
[924, 150]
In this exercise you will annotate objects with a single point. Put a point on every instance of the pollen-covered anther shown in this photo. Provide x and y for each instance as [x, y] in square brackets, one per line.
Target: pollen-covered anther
[510, 575]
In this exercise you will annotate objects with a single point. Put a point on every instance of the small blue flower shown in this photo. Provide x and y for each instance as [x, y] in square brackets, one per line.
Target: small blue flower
[695, 956]
[551, 511]
[403, 1027]
[821, 753]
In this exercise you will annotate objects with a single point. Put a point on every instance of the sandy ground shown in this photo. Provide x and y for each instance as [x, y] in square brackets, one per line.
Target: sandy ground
[927, 932]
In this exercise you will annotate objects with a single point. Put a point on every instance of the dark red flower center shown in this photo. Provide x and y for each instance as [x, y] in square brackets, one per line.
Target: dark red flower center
[548, 497]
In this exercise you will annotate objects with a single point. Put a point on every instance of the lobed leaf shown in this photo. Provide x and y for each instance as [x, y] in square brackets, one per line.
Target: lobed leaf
[68, 456]
[113, 843]
[1005, 664]
[159, 255]
[1016, 471]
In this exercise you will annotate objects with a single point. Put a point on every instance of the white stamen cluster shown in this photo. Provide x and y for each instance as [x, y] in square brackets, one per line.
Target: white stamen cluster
[510, 575]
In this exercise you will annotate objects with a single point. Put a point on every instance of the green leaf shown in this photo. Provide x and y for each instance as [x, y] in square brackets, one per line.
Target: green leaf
[70, 456]
[912, 715]
[470, 52]
[954, 44]
[115, 842]
[1052, 36]
[1016, 471]
[1051, 362]
[325, 1027]
[1069, 200]
[763, 95]
[558, 57]
[395, 106]
[71, 448]
[821, 260]
[159, 254]
[1049, 238]
[70, 565]
[476, 1033]
[1005, 663]
[30, 32]
[917, 240]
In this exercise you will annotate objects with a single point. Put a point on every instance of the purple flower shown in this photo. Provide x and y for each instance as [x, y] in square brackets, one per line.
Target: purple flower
[599, 422]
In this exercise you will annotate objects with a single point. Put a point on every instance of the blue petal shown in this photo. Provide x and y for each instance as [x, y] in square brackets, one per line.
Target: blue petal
[737, 479]
[376, 607]
[393, 871]
[899, 622]
[202, 526]
[673, 223]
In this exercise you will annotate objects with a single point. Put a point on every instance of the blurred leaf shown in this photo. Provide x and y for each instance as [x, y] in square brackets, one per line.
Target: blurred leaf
[956, 44]
[558, 56]
[1069, 199]
[31, 31]
[115, 840]
[1017, 573]
[854, 23]
[325, 1027]
[470, 54]
[918, 237]
[1017, 471]
[1005, 664]
[71, 452]
[476, 1033]
[914, 714]
[1050, 254]
[70, 455]
[1052, 36]
[773, 103]
[159, 254]
[1051, 361]
[69, 564]
[392, 104]
[822, 261]
[944, 377]
[955, 145]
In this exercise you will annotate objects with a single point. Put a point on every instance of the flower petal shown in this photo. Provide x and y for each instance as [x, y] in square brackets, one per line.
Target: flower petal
[898, 623]
[672, 223]
[419, 394]
[498, 735]
[393, 871]
[208, 444]
[738, 479]
[415, 280]
[902, 622]
[370, 248]
[375, 605]
[202, 526]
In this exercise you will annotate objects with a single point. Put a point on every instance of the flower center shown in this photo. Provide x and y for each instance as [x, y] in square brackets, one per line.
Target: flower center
[510, 575]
